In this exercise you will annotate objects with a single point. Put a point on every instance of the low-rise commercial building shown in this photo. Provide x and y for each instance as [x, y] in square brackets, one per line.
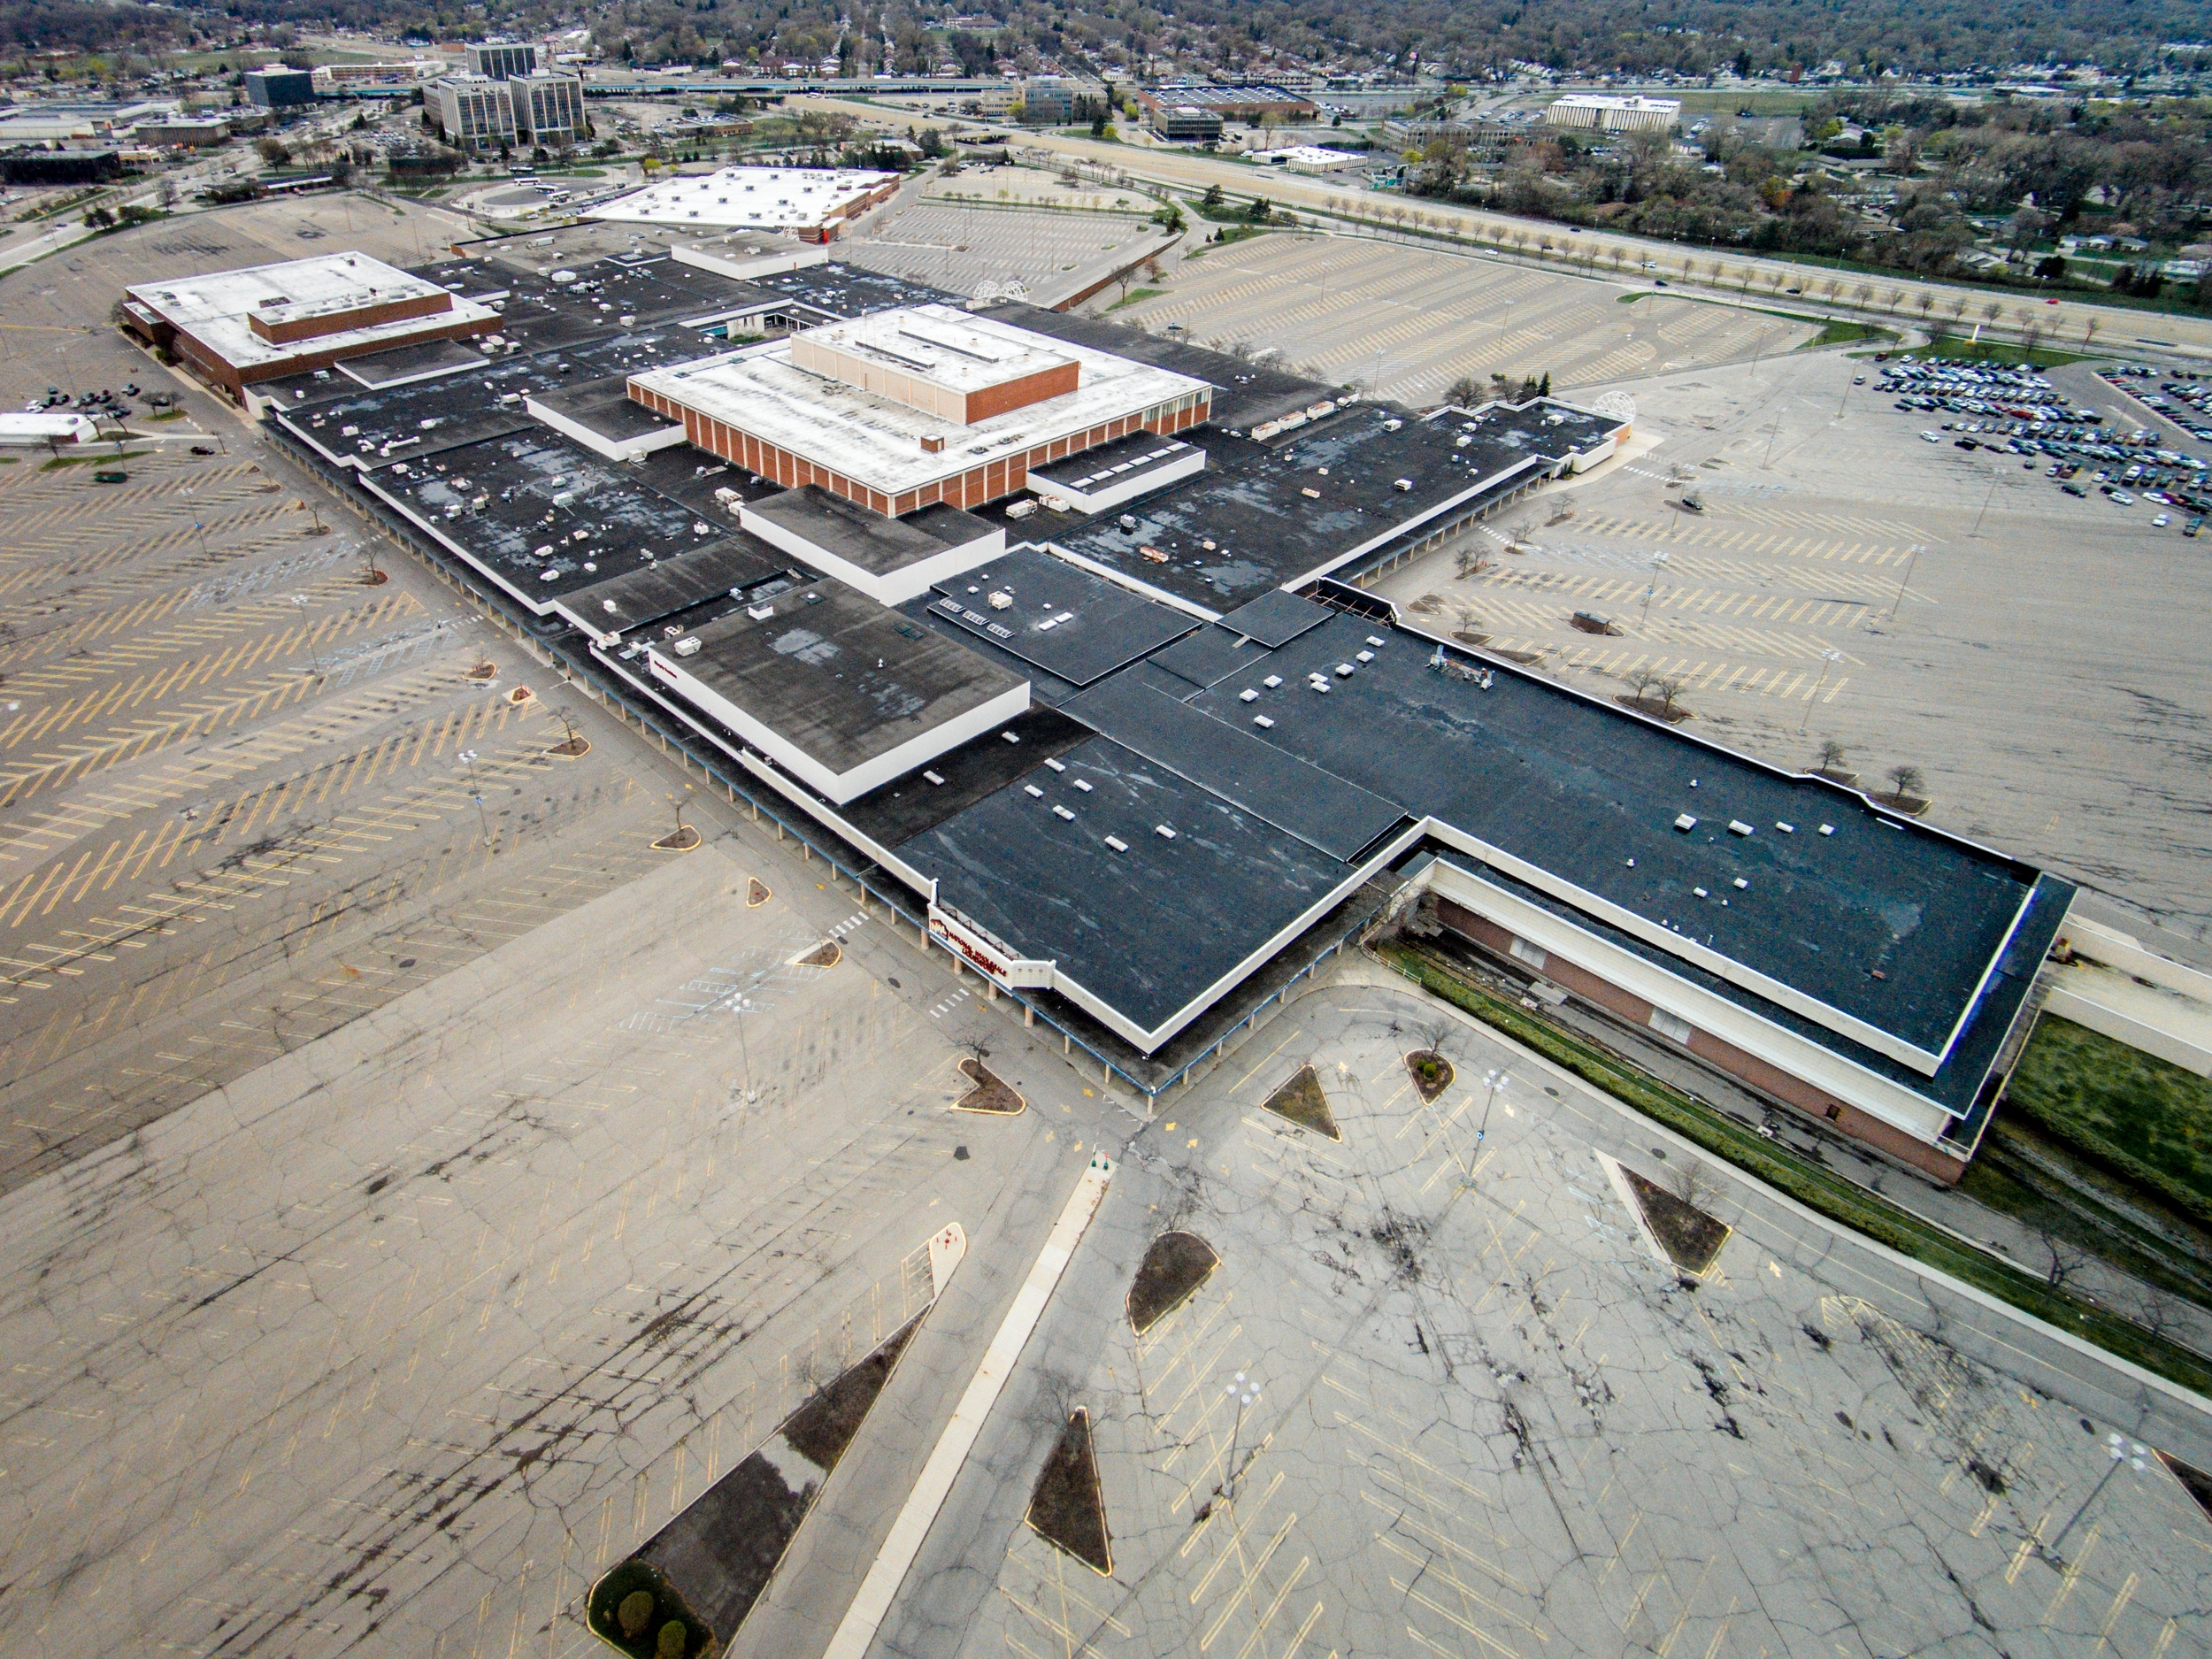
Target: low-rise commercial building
[237, 327]
[1613, 114]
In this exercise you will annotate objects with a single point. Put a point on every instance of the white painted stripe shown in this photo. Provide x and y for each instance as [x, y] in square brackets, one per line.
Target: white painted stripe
[866, 1616]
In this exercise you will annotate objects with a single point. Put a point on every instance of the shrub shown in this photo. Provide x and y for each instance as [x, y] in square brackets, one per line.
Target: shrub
[636, 1613]
[673, 1637]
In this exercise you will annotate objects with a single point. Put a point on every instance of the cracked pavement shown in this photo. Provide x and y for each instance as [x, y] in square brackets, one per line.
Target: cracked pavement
[1487, 1419]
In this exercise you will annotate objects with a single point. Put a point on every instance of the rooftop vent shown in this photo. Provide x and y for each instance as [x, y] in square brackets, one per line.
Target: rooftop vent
[1117, 843]
[1264, 723]
[1056, 765]
[933, 780]
[1164, 831]
[1032, 791]
[1684, 821]
[1272, 681]
[1061, 811]
[1737, 827]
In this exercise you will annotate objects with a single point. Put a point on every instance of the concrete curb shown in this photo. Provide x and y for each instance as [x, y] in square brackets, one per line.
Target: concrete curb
[2195, 1403]
[857, 1629]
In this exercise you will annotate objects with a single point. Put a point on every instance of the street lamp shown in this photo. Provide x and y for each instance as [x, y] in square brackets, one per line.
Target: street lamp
[314, 653]
[1911, 560]
[1497, 1081]
[1245, 1393]
[1826, 658]
[1658, 562]
[467, 757]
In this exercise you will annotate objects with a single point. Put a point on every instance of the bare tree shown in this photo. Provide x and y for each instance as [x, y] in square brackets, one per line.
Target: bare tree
[1434, 1034]
[1905, 780]
[1469, 561]
[1670, 687]
[1521, 530]
[2067, 1258]
[1692, 1182]
[1832, 755]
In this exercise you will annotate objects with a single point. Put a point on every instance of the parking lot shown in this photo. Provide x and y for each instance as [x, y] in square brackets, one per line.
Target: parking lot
[1003, 249]
[1446, 1396]
[1346, 309]
[2023, 660]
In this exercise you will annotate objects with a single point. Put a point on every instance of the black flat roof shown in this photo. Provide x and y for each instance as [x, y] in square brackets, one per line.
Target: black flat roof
[428, 357]
[1591, 795]
[1150, 929]
[668, 586]
[839, 677]
[523, 533]
[1223, 756]
[604, 406]
[1114, 464]
[1074, 626]
[880, 545]
[1251, 504]
[1275, 619]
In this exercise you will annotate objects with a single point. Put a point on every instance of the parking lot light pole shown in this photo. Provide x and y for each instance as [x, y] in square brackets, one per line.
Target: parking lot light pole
[467, 757]
[1658, 563]
[1497, 1081]
[1826, 658]
[1911, 560]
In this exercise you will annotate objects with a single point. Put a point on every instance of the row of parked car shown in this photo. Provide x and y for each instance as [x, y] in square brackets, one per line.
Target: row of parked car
[112, 406]
[2017, 411]
[2195, 415]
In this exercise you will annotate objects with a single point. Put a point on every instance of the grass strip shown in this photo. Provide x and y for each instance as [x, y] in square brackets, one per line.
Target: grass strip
[1838, 1200]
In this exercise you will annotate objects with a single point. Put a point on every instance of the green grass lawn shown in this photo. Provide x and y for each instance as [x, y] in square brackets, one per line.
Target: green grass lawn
[1845, 333]
[2149, 1119]
[1995, 352]
[1133, 296]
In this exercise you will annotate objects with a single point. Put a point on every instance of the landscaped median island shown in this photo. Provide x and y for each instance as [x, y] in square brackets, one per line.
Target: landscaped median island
[689, 1588]
[1830, 1195]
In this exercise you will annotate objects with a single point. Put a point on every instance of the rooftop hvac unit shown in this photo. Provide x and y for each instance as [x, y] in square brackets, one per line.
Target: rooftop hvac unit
[687, 647]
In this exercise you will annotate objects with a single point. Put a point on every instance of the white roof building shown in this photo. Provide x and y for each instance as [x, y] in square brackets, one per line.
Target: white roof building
[262, 321]
[906, 408]
[1613, 114]
[811, 202]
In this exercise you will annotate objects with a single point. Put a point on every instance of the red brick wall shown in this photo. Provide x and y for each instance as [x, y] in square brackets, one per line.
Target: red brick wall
[1721, 1055]
[978, 487]
[284, 332]
[1056, 381]
[303, 362]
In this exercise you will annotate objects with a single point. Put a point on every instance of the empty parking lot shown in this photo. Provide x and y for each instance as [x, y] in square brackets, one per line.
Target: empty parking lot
[1347, 309]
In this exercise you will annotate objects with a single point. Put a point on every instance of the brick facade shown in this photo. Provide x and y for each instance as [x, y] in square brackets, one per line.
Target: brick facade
[978, 486]
[1759, 1075]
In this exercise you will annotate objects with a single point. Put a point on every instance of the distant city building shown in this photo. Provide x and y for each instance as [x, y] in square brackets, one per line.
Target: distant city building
[1048, 106]
[60, 166]
[503, 62]
[189, 132]
[334, 78]
[1311, 158]
[1614, 115]
[1231, 103]
[474, 112]
[811, 203]
[48, 122]
[549, 109]
[279, 88]
[235, 327]
[1185, 123]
